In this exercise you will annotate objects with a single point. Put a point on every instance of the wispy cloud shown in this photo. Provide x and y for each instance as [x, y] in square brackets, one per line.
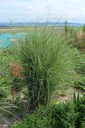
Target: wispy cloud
[72, 10]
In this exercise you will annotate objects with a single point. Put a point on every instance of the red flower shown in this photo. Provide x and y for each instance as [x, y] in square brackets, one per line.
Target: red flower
[16, 70]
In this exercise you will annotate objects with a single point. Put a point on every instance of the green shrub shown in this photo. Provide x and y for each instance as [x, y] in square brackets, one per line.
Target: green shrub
[80, 68]
[47, 60]
[39, 119]
[70, 114]
[83, 123]
[57, 116]
[61, 115]
[81, 65]
[79, 103]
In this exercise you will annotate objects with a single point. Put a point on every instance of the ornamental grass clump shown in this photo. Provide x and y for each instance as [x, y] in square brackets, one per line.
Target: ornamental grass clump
[47, 60]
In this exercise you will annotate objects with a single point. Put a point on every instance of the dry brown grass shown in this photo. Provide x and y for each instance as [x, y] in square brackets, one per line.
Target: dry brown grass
[81, 40]
[14, 29]
[80, 35]
[23, 29]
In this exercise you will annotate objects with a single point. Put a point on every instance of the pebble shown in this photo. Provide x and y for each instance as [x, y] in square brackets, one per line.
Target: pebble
[5, 126]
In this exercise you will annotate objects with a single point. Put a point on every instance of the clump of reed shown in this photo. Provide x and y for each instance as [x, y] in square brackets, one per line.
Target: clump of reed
[47, 61]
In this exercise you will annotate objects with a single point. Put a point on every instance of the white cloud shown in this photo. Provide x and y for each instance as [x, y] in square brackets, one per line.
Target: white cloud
[52, 9]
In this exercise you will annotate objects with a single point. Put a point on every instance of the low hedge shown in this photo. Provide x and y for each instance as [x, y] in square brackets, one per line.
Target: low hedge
[61, 115]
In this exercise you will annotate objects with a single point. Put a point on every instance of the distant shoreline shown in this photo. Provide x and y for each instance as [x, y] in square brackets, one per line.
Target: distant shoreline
[30, 24]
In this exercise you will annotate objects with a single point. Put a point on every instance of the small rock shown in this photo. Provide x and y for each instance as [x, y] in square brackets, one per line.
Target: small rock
[5, 126]
[1, 74]
[22, 96]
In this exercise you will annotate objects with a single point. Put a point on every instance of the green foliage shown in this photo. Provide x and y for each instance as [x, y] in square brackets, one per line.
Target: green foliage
[71, 31]
[69, 115]
[39, 119]
[8, 82]
[80, 109]
[47, 60]
[6, 108]
[80, 84]
[84, 28]
[83, 123]
[66, 26]
[81, 65]
[61, 115]
[80, 68]
[17, 84]
[6, 57]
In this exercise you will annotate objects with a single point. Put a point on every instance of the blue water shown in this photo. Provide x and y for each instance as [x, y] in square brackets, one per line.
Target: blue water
[8, 40]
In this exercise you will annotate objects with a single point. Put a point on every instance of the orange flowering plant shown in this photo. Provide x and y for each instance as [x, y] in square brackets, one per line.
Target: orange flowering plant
[16, 70]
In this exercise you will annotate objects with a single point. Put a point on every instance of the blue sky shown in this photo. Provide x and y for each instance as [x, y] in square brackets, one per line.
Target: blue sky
[42, 10]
